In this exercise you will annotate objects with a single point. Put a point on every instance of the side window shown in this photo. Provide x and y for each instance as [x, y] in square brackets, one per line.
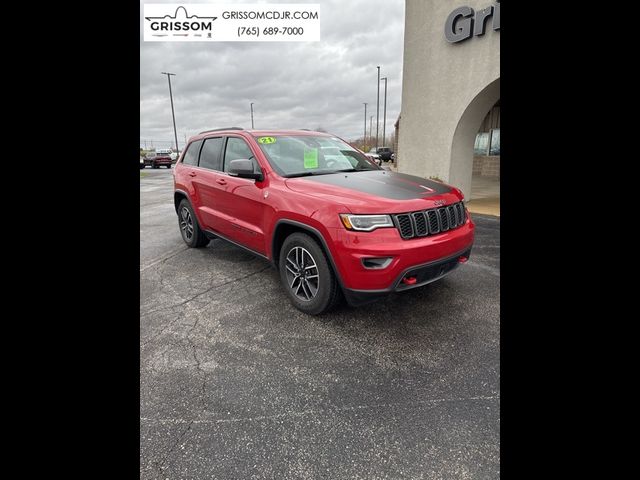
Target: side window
[237, 149]
[191, 155]
[211, 155]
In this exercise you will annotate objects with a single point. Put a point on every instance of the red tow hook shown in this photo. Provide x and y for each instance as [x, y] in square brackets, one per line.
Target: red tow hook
[409, 280]
[462, 259]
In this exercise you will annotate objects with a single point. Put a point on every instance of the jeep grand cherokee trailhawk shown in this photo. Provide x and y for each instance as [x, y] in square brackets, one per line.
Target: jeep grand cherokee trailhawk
[328, 219]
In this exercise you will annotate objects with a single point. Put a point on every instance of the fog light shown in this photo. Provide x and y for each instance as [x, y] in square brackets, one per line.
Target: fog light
[376, 263]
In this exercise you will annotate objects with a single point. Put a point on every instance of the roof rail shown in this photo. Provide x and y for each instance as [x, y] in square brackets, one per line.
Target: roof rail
[220, 129]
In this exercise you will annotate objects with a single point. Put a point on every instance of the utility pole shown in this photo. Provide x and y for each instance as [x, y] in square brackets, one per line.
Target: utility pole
[384, 115]
[252, 115]
[378, 108]
[364, 139]
[175, 132]
[371, 129]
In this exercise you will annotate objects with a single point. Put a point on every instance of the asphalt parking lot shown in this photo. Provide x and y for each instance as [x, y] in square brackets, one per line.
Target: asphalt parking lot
[236, 383]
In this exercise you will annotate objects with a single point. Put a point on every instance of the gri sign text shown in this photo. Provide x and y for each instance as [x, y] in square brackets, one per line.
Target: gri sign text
[464, 22]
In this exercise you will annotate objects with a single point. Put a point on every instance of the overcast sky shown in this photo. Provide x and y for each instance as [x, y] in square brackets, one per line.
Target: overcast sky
[293, 85]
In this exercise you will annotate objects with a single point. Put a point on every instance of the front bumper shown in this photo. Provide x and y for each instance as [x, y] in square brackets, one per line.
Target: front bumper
[422, 258]
[420, 275]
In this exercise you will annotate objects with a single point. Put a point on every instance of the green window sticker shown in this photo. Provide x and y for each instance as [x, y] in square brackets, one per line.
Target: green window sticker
[267, 140]
[310, 158]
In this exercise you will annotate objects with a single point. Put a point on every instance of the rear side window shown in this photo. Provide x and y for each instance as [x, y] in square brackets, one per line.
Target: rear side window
[191, 155]
[211, 157]
[236, 149]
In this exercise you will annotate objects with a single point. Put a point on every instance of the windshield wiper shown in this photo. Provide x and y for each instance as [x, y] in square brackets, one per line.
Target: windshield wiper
[305, 174]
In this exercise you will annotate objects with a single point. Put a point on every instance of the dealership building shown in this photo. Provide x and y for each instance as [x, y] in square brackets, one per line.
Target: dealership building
[449, 127]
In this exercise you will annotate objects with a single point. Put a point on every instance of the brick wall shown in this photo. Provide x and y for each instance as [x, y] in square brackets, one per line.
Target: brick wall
[488, 166]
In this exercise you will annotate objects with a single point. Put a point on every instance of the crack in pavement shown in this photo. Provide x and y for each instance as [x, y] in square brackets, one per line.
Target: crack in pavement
[164, 459]
[198, 364]
[317, 411]
[180, 304]
[163, 258]
[199, 294]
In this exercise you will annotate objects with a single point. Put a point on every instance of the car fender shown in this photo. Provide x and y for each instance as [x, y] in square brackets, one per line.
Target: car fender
[312, 226]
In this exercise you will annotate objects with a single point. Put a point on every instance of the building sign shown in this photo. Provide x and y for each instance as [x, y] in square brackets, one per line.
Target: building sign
[464, 22]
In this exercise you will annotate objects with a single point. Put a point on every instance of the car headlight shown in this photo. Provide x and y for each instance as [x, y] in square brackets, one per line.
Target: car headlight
[365, 223]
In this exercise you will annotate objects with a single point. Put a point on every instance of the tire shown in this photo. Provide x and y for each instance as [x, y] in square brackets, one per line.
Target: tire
[298, 252]
[168, 166]
[141, 167]
[190, 230]
[154, 165]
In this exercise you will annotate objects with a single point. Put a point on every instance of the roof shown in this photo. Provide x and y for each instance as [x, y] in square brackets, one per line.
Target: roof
[265, 132]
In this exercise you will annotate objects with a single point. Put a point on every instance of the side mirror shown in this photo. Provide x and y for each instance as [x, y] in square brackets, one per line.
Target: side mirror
[243, 168]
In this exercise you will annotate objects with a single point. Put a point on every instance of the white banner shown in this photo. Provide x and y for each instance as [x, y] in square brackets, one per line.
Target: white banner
[206, 22]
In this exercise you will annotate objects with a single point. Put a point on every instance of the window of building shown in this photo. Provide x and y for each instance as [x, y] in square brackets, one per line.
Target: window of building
[495, 142]
[481, 146]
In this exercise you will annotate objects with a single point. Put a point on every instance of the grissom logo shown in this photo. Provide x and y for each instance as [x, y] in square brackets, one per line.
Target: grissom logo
[181, 22]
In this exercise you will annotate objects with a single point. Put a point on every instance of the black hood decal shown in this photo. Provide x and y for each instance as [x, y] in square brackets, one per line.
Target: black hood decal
[383, 183]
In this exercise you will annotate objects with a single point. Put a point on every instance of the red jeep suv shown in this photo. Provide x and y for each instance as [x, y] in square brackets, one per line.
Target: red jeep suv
[328, 219]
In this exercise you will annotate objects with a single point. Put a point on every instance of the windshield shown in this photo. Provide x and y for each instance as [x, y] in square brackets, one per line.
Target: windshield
[293, 156]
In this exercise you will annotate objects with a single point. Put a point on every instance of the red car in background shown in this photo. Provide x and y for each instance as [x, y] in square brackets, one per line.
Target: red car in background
[157, 160]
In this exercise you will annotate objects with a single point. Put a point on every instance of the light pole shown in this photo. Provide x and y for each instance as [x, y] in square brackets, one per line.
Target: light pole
[378, 108]
[175, 132]
[371, 129]
[364, 139]
[252, 115]
[384, 115]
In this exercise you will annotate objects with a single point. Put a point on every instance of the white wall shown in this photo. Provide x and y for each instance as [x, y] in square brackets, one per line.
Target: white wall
[440, 80]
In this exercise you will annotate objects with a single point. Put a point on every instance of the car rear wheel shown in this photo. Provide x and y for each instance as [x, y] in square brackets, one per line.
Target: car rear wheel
[168, 166]
[154, 165]
[191, 232]
[307, 276]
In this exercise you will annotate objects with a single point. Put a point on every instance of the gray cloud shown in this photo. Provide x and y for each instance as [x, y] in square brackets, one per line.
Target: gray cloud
[292, 85]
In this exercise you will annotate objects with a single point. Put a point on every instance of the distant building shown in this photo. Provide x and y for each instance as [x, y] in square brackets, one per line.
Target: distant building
[451, 91]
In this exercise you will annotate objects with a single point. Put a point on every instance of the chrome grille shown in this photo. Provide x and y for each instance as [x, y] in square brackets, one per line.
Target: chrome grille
[444, 219]
[452, 217]
[430, 222]
[420, 224]
[434, 224]
[403, 222]
[460, 213]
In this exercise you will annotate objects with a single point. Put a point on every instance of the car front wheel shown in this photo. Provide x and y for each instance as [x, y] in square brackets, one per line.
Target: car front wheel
[307, 276]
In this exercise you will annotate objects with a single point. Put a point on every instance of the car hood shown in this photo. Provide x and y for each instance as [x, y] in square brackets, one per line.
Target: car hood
[376, 191]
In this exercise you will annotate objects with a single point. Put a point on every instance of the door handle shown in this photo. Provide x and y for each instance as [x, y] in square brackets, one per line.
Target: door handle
[221, 181]
[192, 174]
